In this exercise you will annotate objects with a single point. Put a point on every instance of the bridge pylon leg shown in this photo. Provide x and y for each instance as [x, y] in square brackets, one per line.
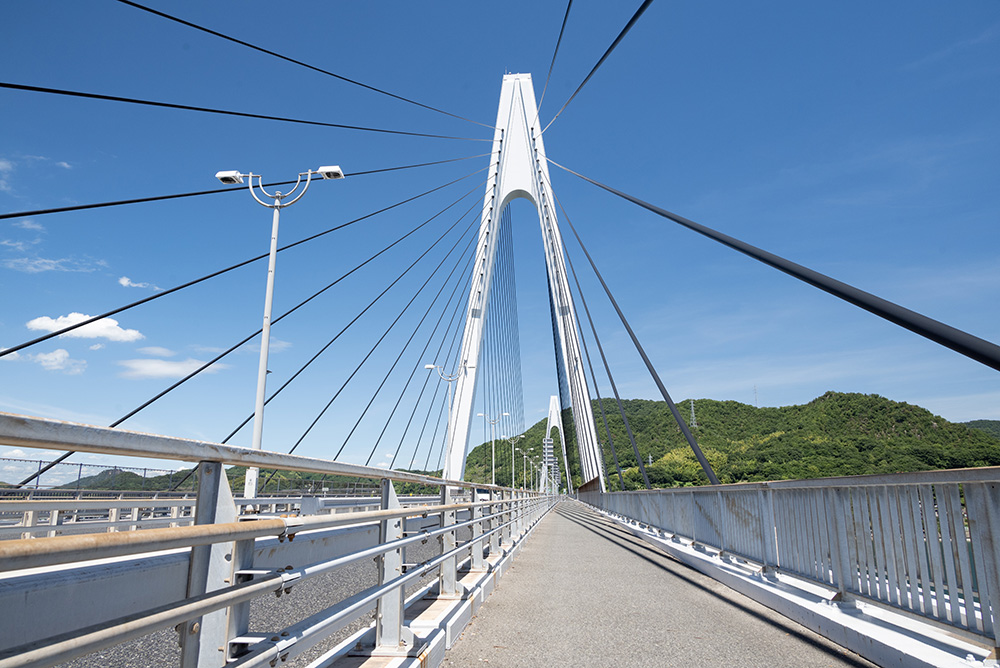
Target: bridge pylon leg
[519, 170]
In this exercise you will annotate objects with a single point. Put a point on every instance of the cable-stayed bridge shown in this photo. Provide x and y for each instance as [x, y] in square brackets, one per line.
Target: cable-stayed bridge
[901, 569]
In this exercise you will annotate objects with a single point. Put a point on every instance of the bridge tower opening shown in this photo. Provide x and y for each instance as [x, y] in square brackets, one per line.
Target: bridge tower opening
[518, 169]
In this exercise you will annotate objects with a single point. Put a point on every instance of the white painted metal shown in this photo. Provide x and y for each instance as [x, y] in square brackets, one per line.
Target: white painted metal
[555, 422]
[518, 169]
[926, 544]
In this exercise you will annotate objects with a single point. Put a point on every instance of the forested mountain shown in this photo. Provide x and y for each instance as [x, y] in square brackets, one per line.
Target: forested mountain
[991, 427]
[835, 434]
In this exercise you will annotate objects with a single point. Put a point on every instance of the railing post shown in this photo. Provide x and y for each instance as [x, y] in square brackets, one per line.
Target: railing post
[390, 633]
[494, 523]
[506, 505]
[448, 575]
[983, 505]
[478, 563]
[768, 530]
[204, 640]
[839, 554]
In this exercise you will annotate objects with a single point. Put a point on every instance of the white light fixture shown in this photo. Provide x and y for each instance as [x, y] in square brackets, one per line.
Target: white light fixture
[230, 178]
[331, 172]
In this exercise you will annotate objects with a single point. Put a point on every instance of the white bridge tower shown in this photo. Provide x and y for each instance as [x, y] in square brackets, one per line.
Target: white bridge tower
[518, 169]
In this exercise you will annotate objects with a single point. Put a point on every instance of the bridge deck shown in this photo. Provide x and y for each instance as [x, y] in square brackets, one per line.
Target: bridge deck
[583, 591]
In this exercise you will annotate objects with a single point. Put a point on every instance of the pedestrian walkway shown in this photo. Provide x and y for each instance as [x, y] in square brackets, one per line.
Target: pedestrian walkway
[585, 592]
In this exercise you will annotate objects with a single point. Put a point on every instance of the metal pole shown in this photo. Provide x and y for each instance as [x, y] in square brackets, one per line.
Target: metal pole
[493, 456]
[250, 484]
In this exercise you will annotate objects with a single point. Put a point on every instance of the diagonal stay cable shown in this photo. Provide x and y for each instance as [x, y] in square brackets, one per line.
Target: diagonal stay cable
[214, 191]
[356, 318]
[971, 346]
[470, 261]
[225, 112]
[548, 76]
[607, 369]
[706, 467]
[413, 334]
[298, 62]
[628, 26]
[358, 367]
[164, 293]
[460, 305]
[67, 454]
[324, 348]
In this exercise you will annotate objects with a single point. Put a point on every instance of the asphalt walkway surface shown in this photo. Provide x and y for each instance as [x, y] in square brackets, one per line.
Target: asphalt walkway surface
[586, 592]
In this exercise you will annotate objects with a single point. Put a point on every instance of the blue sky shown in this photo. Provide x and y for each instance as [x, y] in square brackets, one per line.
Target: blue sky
[860, 140]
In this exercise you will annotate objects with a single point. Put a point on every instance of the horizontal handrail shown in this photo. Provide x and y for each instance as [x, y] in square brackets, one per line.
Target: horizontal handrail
[35, 432]
[37, 552]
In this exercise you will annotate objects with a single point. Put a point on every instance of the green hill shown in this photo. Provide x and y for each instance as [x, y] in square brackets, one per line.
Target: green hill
[991, 427]
[835, 434]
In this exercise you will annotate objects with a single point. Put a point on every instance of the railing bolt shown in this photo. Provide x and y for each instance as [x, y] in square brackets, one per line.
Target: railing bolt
[195, 628]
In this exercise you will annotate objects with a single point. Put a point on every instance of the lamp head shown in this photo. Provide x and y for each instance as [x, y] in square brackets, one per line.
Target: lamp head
[230, 178]
[331, 172]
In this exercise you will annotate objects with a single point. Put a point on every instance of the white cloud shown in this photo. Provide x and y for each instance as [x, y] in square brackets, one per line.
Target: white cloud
[105, 328]
[275, 346]
[16, 452]
[64, 165]
[19, 246]
[59, 360]
[146, 368]
[157, 351]
[127, 282]
[6, 167]
[36, 265]
[29, 225]
[97, 346]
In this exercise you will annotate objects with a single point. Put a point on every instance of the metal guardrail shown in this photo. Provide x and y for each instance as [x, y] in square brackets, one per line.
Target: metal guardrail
[200, 579]
[927, 544]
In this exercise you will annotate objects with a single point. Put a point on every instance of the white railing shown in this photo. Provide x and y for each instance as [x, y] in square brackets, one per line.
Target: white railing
[924, 543]
[78, 594]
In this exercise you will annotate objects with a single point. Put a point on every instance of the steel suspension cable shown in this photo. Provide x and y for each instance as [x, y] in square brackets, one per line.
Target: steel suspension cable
[628, 26]
[460, 307]
[384, 335]
[555, 53]
[468, 267]
[971, 346]
[450, 360]
[356, 318]
[282, 317]
[358, 368]
[706, 467]
[164, 293]
[67, 454]
[413, 334]
[298, 62]
[224, 112]
[597, 390]
[215, 191]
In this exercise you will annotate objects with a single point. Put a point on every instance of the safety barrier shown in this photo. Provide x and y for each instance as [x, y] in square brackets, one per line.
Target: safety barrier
[926, 544]
[200, 579]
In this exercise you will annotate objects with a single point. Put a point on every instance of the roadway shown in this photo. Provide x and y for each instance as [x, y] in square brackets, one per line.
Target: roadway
[584, 591]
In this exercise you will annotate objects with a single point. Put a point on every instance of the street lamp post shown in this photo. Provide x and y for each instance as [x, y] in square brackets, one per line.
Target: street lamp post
[493, 450]
[524, 467]
[233, 178]
[451, 393]
[513, 440]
